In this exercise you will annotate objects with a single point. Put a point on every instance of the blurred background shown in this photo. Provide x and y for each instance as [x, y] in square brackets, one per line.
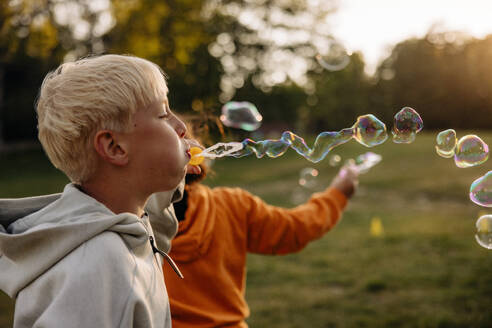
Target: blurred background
[423, 268]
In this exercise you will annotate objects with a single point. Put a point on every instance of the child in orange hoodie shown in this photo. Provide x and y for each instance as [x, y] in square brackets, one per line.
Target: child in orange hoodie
[219, 226]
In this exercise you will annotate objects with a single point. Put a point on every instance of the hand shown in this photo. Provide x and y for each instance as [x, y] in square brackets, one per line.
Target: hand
[347, 179]
[193, 169]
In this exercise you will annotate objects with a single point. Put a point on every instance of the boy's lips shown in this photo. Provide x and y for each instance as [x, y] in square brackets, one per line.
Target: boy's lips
[188, 153]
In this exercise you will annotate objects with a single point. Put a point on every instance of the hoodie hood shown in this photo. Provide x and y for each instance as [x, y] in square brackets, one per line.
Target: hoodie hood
[162, 217]
[40, 231]
[195, 232]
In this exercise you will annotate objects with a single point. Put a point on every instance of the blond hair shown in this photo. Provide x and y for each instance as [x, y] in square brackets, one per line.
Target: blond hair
[80, 98]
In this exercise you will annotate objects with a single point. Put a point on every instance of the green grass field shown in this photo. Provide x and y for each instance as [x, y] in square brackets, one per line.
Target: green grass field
[426, 270]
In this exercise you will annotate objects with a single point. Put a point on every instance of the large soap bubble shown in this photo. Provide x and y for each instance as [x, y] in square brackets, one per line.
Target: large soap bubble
[484, 231]
[471, 151]
[241, 115]
[369, 130]
[407, 123]
[481, 190]
[446, 143]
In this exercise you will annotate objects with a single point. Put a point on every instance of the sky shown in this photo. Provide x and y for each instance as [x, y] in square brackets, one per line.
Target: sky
[374, 26]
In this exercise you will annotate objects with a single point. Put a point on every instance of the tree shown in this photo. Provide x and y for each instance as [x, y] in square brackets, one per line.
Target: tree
[273, 41]
[35, 36]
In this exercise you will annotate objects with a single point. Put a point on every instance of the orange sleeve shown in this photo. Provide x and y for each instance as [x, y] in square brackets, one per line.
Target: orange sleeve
[276, 230]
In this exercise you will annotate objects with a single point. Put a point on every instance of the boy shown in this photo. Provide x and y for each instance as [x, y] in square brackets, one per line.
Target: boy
[87, 258]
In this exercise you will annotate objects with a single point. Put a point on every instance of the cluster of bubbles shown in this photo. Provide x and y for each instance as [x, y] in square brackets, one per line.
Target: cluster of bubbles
[481, 194]
[469, 151]
[308, 177]
[308, 180]
[368, 130]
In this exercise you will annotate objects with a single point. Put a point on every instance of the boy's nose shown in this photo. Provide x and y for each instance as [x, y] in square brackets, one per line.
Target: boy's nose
[180, 127]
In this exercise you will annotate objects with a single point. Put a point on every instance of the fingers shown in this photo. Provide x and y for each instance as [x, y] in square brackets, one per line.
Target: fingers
[347, 179]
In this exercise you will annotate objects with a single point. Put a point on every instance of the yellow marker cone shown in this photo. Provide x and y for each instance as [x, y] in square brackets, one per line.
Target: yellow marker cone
[196, 160]
[376, 227]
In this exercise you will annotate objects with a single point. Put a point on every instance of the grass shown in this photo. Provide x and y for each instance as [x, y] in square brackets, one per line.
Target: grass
[426, 270]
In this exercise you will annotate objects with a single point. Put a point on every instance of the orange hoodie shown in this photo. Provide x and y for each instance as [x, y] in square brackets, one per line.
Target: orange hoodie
[221, 225]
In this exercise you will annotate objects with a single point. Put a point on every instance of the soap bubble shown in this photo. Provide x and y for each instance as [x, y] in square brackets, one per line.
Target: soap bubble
[470, 151]
[407, 123]
[241, 115]
[308, 178]
[369, 130]
[484, 231]
[221, 149]
[446, 143]
[481, 190]
[335, 160]
[323, 144]
[333, 57]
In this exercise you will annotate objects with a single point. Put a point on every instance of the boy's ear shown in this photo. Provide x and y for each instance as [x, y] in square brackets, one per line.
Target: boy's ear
[109, 148]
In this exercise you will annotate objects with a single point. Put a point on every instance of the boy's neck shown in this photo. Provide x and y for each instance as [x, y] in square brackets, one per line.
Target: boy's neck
[119, 199]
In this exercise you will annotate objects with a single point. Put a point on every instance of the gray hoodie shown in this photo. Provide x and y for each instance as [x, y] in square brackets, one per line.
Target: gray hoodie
[71, 262]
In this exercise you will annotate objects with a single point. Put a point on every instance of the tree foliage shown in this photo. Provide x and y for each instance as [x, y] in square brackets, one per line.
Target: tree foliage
[262, 51]
[446, 77]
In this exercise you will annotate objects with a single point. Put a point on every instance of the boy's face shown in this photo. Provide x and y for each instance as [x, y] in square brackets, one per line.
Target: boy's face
[158, 153]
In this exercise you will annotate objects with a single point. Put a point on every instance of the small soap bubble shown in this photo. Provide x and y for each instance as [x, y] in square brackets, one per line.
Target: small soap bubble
[446, 143]
[481, 190]
[470, 151]
[333, 57]
[484, 231]
[335, 160]
[369, 130]
[407, 123]
[241, 115]
[308, 178]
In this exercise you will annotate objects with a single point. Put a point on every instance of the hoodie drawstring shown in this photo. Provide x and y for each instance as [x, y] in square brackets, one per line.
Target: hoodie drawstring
[167, 257]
